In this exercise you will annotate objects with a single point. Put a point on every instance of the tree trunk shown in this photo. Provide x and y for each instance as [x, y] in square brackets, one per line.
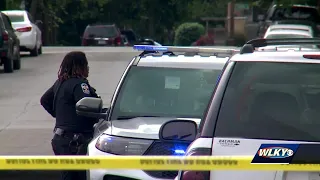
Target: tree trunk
[33, 8]
[3, 5]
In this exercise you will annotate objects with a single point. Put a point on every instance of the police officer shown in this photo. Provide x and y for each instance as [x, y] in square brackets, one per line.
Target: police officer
[72, 132]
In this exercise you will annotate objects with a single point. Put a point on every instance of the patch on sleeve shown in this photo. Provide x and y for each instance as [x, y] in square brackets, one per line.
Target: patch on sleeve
[85, 88]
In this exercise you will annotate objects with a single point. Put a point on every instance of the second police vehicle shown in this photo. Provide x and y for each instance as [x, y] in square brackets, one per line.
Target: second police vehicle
[265, 100]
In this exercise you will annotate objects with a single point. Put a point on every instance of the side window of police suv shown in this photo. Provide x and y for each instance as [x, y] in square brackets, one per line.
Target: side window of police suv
[272, 105]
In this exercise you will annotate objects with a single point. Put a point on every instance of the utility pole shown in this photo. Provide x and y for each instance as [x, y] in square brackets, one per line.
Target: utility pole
[230, 20]
[3, 4]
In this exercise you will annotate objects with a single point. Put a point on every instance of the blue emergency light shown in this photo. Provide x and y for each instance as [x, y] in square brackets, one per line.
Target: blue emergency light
[179, 149]
[179, 152]
[150, 48]
[184, 49]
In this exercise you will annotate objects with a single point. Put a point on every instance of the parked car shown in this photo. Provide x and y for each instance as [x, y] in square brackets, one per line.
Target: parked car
[27, 30]
[268, 98]
[145, 41]
[156, 87]
[131, 36]
[9, 45]
[279, 32]
[313, 25]
[102, 35]
[284, 13]
[293, 27]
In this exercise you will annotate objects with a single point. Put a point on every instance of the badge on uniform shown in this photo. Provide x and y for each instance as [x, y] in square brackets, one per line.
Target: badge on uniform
[85, 88]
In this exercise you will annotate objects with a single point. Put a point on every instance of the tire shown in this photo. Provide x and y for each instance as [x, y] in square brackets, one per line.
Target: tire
[8, 65]
[40, 50]
[17, 61]
[34, 52]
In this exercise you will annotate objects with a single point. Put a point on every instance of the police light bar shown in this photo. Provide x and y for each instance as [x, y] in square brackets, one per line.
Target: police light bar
[183, 49]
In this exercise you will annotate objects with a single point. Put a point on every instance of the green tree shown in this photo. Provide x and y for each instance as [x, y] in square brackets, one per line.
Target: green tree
[3, 4]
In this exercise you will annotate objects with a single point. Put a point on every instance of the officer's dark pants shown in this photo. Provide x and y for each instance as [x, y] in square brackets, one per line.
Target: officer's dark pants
[61, 146]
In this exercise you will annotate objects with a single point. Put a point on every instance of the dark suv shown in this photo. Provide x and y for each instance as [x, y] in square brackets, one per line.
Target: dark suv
[9, 45]
[102, 35]
[295, 14]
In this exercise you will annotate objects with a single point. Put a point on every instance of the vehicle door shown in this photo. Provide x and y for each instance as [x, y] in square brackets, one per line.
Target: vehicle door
[269, 103]
[1, 30]
[11, 32]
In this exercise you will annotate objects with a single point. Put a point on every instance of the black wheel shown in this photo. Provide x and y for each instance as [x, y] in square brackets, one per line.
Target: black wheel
[34, 51]
[40, 50]
[17, 60]
[8, 65]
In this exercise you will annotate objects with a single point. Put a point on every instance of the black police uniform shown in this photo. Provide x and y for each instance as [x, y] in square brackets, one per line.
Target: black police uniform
[72, 132]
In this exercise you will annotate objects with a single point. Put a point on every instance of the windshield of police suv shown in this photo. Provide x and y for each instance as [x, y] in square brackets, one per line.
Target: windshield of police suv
[165, 92]
[271, 101]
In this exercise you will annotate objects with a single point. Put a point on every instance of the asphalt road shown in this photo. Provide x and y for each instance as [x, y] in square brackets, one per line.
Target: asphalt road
[25, 127]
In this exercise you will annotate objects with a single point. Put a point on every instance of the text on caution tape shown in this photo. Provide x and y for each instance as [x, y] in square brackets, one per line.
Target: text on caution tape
[53, 161]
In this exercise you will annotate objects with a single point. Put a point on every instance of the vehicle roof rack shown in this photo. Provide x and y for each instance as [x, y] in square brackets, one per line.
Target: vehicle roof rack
[168, 50]
[250, 46]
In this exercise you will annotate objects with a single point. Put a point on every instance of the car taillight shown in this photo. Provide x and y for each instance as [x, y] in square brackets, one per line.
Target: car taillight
[311, 56]
[5, 36]
[24, 29]
[197, 175]
[117, 40]
[84, 42]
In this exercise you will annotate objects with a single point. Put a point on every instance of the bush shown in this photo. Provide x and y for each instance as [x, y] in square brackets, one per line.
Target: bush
[187, 33]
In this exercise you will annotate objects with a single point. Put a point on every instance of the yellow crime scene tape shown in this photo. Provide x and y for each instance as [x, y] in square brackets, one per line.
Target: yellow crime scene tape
[143, 163]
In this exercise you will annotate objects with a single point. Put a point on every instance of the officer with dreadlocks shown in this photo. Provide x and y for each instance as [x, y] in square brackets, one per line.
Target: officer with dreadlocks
[72, 132]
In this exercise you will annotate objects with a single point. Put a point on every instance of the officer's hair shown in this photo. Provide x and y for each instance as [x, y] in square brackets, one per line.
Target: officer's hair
[74, 64]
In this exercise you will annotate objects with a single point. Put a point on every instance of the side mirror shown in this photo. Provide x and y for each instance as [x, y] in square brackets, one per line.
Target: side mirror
[260, 17]
[178, 130]
[90, 107]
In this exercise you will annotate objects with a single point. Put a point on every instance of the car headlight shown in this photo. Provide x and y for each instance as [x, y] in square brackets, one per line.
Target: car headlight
[122, 146]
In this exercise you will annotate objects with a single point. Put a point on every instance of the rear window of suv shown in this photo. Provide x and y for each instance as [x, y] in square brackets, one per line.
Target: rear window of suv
[284, 36]
[165, 92]
[271, 101]
[101, 31]
[297, 13]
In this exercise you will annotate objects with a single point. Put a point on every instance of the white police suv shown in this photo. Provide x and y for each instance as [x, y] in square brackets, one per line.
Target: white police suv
[158, 85]
[266, 105]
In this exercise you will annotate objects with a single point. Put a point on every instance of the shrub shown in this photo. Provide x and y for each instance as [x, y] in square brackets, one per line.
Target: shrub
[187, 33]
